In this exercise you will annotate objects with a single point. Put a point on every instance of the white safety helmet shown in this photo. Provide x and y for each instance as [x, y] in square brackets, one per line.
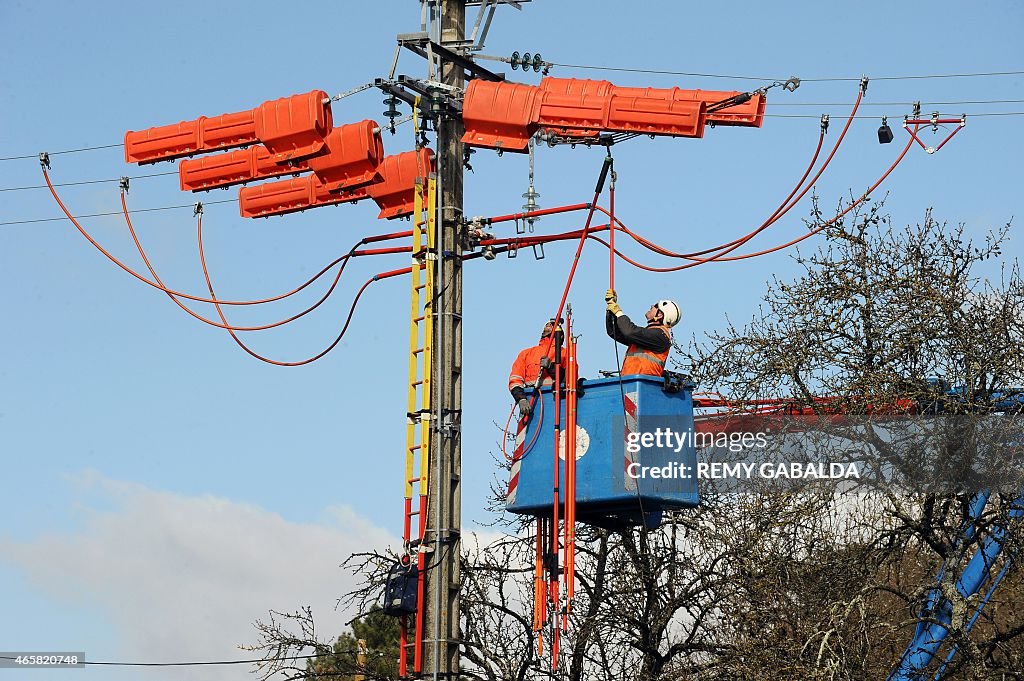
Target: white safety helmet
[670, 311]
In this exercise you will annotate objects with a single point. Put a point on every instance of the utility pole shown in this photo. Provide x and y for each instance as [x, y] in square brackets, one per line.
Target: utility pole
[443, 578]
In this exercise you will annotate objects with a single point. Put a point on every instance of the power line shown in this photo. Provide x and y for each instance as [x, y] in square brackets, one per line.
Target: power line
[923, 103]
[875, 116]
[100, 215]
[64, 151]
[81, 182]
[407, 118]
[663, 72]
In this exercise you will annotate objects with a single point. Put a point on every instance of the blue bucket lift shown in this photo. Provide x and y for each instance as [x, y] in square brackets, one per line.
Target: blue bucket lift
[607, 495]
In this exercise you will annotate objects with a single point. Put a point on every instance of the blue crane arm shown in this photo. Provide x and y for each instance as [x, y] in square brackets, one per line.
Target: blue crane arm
[931, 633]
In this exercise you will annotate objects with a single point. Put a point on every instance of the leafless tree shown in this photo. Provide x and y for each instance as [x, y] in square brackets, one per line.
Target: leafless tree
[820, 581]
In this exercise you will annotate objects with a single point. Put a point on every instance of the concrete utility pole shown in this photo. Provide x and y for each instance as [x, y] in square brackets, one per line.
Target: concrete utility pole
[444, 505]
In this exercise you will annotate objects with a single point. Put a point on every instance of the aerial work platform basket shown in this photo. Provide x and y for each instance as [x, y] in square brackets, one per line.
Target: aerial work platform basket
[607, 494]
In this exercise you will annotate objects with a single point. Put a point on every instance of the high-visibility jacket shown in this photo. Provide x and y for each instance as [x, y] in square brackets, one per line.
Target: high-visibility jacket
[640, 360]
[526, 368]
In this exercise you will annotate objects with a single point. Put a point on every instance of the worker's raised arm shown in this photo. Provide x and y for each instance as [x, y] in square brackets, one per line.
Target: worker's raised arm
[622, 329]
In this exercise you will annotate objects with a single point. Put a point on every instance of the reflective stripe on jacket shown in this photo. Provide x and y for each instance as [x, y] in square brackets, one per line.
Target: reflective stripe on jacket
[527, 366]
[646, 362]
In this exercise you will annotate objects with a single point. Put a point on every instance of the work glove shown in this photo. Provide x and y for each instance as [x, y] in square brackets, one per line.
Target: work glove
[612, 299]
[524, 408]
[546, 363]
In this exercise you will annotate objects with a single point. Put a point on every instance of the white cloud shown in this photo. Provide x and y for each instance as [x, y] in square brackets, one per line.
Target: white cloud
[183, 578]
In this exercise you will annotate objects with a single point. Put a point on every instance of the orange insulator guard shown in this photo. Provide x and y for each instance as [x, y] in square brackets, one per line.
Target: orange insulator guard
[748, 114]
[348, 160]
[499, 115]
[396, 194]
[234, 167]
[354, 154]
[587, 107]
[292, 127]
[291, 196]
[504, 116]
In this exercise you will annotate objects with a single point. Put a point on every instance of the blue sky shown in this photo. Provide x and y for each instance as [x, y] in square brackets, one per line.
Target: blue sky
[161, 489]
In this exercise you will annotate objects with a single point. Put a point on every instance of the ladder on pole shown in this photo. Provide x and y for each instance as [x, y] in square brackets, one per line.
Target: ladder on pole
[418, 410]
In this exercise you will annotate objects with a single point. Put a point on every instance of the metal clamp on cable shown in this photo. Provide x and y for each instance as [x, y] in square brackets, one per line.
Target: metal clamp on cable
[44, 160]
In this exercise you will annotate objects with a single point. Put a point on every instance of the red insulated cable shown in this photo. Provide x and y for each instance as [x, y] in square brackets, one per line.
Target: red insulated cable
[719, 256]
[792, 242]
[536, 398]
[334, 343]
[611, 232]
[538, 213]
[788, 203]
[211, 322]
[524, 241]
[818, 229]
[579, 250]
[774, 217]
[200, 299]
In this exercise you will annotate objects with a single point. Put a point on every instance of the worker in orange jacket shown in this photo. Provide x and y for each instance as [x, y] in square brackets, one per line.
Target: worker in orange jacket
[648, 347]
[534, 367]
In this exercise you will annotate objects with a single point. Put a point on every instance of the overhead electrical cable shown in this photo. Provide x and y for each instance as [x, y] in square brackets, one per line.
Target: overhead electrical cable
[203, 299]
[776, 215]
[922, 103]
[744, 256]
[875, 116]
[112, 213]
[227, 326]
[174, 299]
[664, 72]
[64, 151]
[83, 182]
[785, 208]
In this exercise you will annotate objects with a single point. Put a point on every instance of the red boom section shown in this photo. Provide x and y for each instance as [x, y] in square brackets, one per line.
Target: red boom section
[505, 115]
[349, 159]
[791, 415]
[394, 194]
[291, 127]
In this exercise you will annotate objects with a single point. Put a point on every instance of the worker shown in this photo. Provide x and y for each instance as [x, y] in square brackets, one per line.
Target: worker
[534, 367]
[648, 347]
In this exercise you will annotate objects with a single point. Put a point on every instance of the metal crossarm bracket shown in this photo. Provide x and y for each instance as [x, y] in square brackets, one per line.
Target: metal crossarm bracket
[420, 42]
